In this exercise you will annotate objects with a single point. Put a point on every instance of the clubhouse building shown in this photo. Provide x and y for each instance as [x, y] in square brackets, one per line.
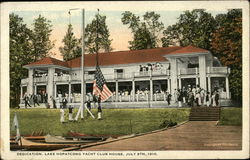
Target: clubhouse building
[136, 77]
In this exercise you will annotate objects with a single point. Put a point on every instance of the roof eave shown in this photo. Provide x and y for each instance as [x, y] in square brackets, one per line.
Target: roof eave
[45, 66]
[188, 54]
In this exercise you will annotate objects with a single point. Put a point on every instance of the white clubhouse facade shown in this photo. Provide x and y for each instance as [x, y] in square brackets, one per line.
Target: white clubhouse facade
[135, 77]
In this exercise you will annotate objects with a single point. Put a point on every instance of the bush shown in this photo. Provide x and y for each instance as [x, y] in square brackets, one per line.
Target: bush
[167, 123]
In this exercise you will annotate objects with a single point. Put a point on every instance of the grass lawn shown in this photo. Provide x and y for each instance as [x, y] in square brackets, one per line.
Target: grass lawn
[231, 116]
[115, 121]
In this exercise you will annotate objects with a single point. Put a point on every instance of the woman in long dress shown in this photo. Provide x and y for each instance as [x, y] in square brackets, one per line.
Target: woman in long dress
[213, 99]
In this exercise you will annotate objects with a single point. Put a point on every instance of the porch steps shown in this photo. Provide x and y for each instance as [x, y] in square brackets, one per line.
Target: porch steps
[204, 114]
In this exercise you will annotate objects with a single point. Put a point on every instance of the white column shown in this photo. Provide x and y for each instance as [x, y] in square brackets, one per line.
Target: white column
[21, 94]
[151, 90]
[55, 90]
[227, 88]
[202, 71]
[30, 82]
[116, 91]
[169, 87]
[50, 80]
[35, 87]
[133, 90]
[173, 74]
[69, 91]
[179, 83]
[197, 81]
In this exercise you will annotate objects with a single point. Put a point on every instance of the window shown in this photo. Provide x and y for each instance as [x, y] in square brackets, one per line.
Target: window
[91, 72]
[119, 73]
[119, 70]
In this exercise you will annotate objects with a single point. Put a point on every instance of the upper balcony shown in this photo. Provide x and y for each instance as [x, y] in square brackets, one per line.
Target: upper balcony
[218, 70]
[41, 79]
[188, 71]
[210, 70]
[128, 76]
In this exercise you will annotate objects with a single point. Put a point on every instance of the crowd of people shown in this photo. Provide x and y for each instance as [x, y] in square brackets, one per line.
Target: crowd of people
[35, 99]
[196, 96]
[150, 67]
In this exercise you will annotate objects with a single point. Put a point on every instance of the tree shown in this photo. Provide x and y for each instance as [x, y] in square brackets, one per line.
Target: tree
[103, 39]
[72, 45]
[193, 28]
[227, 46]
[20, 54]
[41, 42]
[142, 39]
[145, 32]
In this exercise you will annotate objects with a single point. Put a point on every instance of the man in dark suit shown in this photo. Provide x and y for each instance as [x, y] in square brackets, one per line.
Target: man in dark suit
[26, 100]
[35, 100]
[45, 97]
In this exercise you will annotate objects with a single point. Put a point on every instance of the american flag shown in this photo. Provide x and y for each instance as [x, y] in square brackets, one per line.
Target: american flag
[99, 85]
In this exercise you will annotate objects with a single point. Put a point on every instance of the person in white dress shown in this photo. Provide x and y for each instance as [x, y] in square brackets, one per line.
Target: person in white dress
[213, 99]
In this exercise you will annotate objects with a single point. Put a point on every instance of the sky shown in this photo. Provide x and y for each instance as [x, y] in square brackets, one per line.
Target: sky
[118, 32]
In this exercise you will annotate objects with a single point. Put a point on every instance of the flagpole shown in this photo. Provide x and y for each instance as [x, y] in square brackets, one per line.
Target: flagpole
[82, 62]
[97, 37]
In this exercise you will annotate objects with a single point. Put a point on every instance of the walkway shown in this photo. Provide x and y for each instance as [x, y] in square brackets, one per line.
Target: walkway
[193, 135]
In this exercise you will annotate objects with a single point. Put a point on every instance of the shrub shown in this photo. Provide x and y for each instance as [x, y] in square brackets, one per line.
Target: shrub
[167, 123]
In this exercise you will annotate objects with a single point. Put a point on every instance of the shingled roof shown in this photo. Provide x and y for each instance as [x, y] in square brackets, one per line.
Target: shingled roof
[121, 57]
[189, 49]
[48, 61]
[124, 57]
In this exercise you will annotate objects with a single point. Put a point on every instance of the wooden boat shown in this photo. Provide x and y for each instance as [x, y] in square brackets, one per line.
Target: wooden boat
[86, 136]
[61, 140]
[32, 138]
[37, 146]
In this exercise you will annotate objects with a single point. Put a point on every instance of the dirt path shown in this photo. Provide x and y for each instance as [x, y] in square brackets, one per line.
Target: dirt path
[193, 135]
